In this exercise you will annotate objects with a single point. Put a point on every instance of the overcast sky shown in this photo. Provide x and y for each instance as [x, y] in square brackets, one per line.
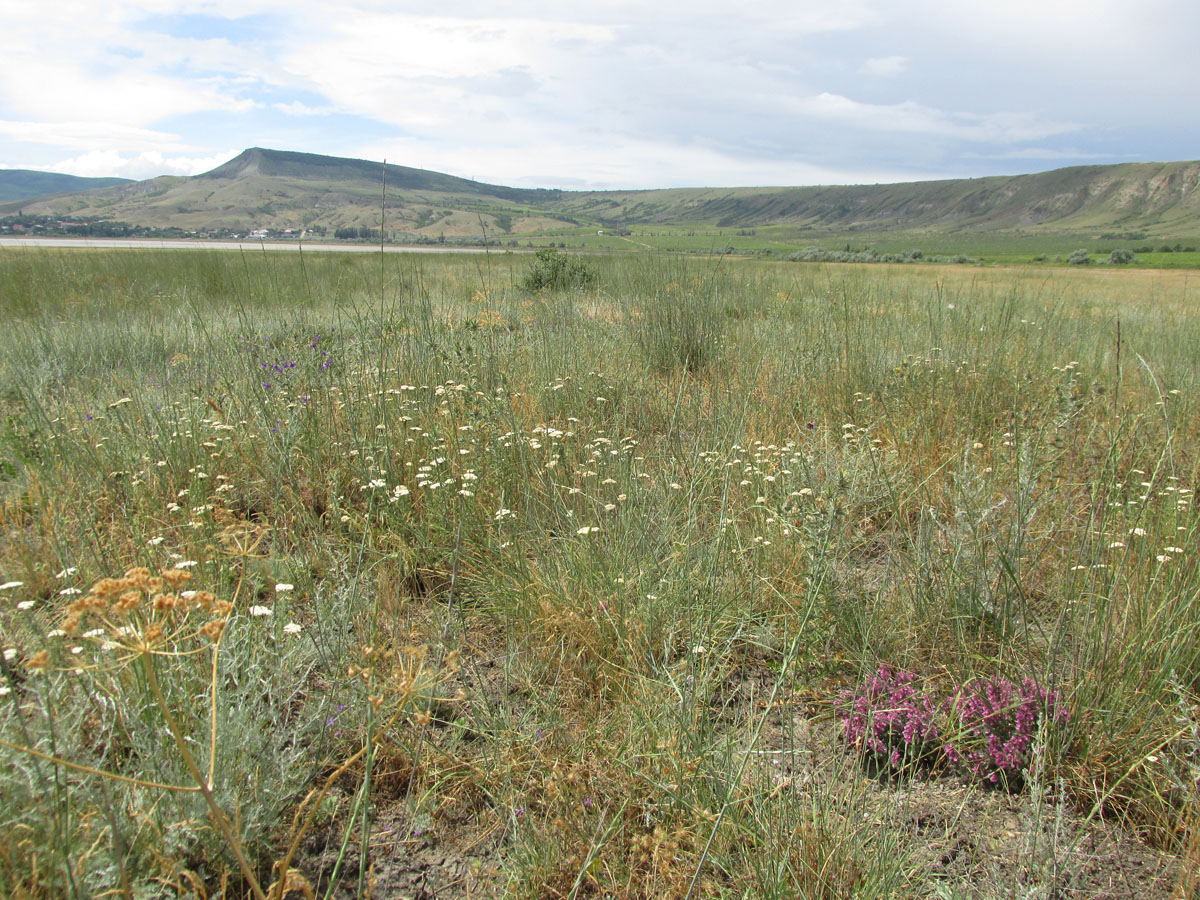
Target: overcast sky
[603, 93]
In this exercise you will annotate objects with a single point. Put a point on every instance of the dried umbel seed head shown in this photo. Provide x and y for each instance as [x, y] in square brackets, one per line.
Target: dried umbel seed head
[166, 602]
[94, 604]
[127, 602]
[204, 599]
[176, 578]
[152, 635]
[108, 587]
[136, 577]
[39, 660]
[212, 630]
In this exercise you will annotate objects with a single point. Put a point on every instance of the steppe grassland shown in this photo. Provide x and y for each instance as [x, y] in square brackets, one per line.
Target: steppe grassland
[576, 577]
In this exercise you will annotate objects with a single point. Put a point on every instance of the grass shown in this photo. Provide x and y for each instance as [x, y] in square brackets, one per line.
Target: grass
[558, 594]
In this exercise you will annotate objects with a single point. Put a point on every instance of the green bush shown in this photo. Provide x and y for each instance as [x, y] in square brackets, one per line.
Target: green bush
[1120, 257]
[556, 271]
[1079, 258]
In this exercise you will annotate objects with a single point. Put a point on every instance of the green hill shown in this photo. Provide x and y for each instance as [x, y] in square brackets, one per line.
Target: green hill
[26, 184]
[278, 190]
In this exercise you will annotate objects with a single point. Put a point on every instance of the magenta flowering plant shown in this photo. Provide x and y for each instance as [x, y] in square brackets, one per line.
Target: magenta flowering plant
[997, 721]
[891, 722]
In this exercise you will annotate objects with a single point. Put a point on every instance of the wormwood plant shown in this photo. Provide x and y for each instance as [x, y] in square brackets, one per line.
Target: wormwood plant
[136, 653]
[146, 651]
[556, 271]
[134, 627]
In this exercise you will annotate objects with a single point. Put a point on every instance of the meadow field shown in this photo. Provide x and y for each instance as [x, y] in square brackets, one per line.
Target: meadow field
[352, 575]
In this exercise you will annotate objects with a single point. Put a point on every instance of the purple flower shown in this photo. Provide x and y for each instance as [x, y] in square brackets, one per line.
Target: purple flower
[997, 722]
[890, 721]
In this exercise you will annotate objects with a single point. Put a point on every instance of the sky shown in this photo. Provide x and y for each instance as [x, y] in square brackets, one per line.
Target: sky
[604, 93]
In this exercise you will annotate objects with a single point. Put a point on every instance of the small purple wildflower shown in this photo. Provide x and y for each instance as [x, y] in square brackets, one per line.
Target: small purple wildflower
[997, 723]
[890, 721]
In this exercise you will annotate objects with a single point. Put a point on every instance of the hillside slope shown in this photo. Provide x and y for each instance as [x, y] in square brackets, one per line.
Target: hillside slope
[27, 184]
[276, 189]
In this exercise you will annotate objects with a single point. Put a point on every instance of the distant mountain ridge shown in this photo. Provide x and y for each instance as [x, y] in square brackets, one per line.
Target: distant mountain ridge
[277, 189]
[293, 164]
[28, 184]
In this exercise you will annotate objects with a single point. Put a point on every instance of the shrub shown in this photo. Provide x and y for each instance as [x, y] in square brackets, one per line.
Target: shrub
[891, 723]
[1079, 258]
[1120, 257]
[556, 271]
[996, 724]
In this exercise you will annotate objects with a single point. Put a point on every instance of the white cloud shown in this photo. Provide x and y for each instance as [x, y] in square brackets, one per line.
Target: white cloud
[613, 92]
[910, 117]
[90, 135]
[146, 164]
[296, 108]
[618, 163]
[884, 66]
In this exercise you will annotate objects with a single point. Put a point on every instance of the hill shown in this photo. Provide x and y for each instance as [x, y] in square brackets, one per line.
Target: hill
[278, 190]
[26, 184]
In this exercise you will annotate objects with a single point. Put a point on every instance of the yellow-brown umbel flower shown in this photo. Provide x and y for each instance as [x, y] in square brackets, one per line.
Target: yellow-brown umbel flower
[39, 660]
[106, 587]
[166, 601]
[71, 624]
[176, 577]
[154, 585]
[212, 630]
[127, 602]
[204, 599]
[222, 607]
[152, 635]
[136, 578]
[94, 604]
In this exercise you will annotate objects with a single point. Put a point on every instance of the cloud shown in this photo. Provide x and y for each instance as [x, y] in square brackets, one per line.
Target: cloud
[614, 92]
[90, 135]
[1048, 153]
[147, 164]
[911, 117]
[296, 108]
[884, 66]
[619, 163]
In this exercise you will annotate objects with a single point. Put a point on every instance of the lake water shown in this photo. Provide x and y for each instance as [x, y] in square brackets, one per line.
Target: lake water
[252, 246]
